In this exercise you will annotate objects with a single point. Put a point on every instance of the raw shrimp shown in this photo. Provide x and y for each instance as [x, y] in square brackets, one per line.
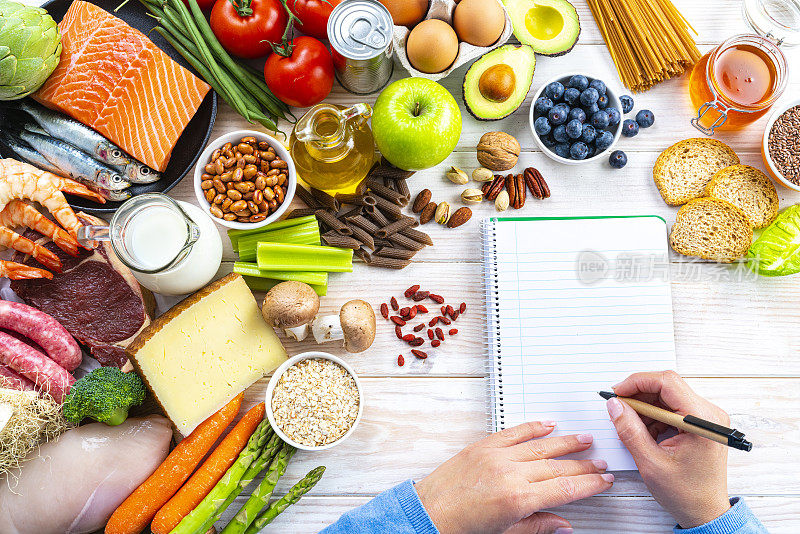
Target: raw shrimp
[18, 271]
[19, 213]
[11, 239]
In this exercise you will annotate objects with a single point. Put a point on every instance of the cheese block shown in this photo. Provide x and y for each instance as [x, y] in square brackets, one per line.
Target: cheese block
[206, 350]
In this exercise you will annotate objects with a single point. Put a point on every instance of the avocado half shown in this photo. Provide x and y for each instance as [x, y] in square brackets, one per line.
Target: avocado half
[507, 59]
[550, 27]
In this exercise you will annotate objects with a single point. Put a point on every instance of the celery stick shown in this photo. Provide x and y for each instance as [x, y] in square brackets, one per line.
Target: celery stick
[285, 257]
[265, 284]
[307, 234]
[307, 277]
[235, 235]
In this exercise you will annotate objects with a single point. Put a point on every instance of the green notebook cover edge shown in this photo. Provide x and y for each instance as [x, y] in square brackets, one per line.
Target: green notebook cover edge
[500, 219]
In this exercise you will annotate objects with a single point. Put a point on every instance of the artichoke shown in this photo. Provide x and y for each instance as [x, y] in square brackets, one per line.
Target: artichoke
[30, 48]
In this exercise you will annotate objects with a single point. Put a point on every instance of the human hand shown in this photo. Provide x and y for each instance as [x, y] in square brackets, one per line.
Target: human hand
[501, 482]
[686, 474]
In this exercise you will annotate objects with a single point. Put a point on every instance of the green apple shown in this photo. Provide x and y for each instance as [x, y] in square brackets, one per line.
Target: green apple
[416, 123]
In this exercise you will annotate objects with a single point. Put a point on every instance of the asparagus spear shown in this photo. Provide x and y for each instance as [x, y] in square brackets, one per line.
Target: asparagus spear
[196, 518]
[294, 495]
[267, 454]
[260, 497]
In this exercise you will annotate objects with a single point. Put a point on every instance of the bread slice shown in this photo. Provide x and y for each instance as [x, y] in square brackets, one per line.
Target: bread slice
[748, 189]
[712, 229]
[683, 171]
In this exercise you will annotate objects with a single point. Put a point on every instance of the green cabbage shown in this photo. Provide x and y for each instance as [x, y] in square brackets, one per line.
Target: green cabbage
[776, 252]
[30, 48]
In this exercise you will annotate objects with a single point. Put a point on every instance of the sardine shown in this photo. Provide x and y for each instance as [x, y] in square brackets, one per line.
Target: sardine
[78, 164]
[81, 136]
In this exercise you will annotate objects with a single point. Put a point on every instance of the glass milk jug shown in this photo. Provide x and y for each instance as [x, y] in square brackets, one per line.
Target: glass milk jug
[333, 148]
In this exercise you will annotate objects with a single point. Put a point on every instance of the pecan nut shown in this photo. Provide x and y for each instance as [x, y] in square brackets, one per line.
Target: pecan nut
[535, 182]
[511, 187]
[495, 186]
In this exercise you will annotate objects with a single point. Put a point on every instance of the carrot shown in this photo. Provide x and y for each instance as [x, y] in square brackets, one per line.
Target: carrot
[208, 474]
[133, 515]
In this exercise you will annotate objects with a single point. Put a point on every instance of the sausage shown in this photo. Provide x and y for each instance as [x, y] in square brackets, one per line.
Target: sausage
[12, 379]
[42, 330]
[46, 374]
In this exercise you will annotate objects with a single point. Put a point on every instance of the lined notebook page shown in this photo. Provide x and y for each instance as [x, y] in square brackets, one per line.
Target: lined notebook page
[575, 306]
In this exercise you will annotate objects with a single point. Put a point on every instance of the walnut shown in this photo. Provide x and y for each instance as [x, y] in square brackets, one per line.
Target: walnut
[498, 151]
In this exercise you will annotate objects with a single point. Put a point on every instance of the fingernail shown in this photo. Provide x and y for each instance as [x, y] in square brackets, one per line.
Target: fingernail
[608, 477]
[563, 530]
[600, 464]
[585, 438]
[550, 424]
[614, 407]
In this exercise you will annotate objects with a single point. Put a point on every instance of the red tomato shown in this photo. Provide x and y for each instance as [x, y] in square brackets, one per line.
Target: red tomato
[247, 29]
[313, 15]
[305, 77]
[205, 5]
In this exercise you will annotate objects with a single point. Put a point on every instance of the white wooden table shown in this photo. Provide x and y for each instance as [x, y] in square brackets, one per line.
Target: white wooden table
[738, 342]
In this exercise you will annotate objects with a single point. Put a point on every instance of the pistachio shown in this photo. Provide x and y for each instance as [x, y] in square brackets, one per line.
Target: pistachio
[457, 176]
[502, 201]
[442, 213]
[482, 174]
[472, 195]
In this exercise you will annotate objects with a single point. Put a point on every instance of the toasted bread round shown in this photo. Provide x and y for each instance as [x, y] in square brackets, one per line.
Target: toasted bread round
[683, 171]
[711, 229]
[748, 189]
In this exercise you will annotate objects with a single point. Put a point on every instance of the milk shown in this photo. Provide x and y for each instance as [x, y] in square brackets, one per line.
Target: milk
[155, 235]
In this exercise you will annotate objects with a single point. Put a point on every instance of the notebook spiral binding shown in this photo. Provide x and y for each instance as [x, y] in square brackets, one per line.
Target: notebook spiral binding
[496, 419]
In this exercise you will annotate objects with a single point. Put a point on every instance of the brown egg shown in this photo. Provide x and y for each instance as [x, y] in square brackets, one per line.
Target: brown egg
[479, 22]
[406, 12]
[432, 46]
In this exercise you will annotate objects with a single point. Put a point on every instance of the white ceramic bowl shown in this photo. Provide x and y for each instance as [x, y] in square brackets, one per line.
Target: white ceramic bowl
[771, 167]
[613, 101]
[274, 381]
[235, 136]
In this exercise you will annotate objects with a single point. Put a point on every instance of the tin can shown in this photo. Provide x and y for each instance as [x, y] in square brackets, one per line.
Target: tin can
[360, 33]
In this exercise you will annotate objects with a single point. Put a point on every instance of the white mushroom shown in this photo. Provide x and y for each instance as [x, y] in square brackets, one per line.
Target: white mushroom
[291, 305]
[355, 324]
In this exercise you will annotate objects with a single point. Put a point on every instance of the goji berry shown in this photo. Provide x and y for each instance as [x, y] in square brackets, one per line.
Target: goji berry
[417, 342]
[435, 343]
[404, 311]
[401, 361]
[433, 321]
[438, 299]
[385, 310]
[453, 331]
[411, 290]
[411, 314]
[439, 333]
[409, 337]
[430, 334]
[443, 309]
[463, 307]
[398, 332]
[397, 320]
[419, 354]
[455, 315]
[449, 309]
[420, 295]
[421, 308]
[419, 327]
[395, 305]
[444, 320]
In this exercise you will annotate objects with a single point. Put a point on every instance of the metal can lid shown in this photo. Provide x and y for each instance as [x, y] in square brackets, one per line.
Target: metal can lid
[360, 29]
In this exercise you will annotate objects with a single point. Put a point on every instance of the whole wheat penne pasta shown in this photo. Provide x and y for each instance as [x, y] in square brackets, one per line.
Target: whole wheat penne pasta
[363, 223]
[416, 235]
[392, 252]
[329, 219]
[388, 208]
[301, 212]
[377, 216]
[401, 186]
[352, 212]
[334, 239]
[356, 200]
[387, 193]
[388, 263]
[397, 226]
[324, 199]
[363, 236]
[306, 196]
[404, 242]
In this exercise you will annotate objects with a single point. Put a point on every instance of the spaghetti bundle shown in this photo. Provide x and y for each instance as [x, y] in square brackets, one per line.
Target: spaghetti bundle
[649, 40]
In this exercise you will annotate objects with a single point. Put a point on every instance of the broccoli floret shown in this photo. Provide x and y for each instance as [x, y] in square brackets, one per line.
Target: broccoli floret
[106, 394]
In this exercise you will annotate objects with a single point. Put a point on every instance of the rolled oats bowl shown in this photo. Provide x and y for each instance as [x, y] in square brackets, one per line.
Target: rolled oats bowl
[314, 401]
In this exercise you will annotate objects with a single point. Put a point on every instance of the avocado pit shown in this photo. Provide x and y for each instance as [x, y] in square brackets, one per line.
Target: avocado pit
[497, 83]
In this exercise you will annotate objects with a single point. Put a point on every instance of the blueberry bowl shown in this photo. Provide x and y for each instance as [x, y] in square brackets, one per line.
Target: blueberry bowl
[565, 122]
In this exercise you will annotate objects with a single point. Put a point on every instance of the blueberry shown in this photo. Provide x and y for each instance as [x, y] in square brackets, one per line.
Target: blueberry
[599, 85]
[548, 141]
[613, 116]
[572, 96]
[591, 110]
[627, 103]
[562, 149]
[574, 128]
[541, 126]
[602, 102]
[557, 116]
[542, 105]
[578, 150]
[589, 96]
[589, 134]
[600, 120]
[604, 140]
[630, 128]
[554, 91]
[577, 113]
[617, 159]
[560, 134]
[579, 82]
[645, 118]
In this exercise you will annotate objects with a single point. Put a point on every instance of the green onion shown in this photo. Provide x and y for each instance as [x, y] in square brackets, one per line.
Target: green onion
[265, 284]
[286, 257]
[318, 278]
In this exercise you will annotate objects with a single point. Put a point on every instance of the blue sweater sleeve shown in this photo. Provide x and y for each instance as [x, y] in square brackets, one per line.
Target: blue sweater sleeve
[396, 511]
[738, 520]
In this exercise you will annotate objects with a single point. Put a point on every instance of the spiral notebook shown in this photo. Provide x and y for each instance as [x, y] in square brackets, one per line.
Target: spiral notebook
[574, 305]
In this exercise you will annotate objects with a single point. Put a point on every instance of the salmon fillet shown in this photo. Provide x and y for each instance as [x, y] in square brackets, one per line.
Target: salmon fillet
[113, 78]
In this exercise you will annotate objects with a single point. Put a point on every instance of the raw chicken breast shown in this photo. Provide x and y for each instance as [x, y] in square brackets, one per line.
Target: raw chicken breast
[76, 483]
